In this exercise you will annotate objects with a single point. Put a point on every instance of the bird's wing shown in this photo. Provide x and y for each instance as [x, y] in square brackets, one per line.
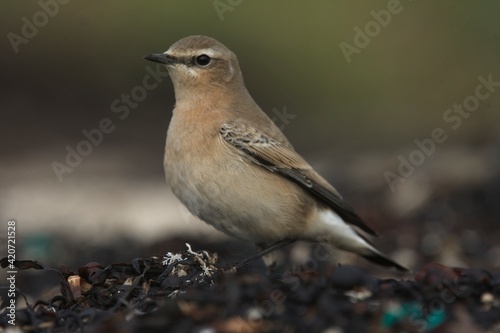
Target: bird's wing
[276, 157]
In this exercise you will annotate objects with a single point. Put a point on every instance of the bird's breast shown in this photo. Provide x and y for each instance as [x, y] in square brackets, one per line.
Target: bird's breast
[225, 189]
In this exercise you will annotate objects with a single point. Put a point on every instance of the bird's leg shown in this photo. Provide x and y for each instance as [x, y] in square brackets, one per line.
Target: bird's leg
[275, 246]
[269, 259]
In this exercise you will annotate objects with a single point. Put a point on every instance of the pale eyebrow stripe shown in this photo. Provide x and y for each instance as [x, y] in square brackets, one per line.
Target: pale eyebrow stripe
[209, 52]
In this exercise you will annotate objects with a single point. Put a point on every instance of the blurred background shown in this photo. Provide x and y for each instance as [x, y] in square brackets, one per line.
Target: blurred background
[352, 84]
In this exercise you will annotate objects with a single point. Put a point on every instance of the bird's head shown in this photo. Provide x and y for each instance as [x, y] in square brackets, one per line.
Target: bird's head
[199, 64]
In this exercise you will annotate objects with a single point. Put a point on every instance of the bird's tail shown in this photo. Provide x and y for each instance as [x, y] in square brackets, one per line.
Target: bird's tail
[380, 259]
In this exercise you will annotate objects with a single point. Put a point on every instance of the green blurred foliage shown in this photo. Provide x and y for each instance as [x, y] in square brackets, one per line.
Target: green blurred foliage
[395, 90]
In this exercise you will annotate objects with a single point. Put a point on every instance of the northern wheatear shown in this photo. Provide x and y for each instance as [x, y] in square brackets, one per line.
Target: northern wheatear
[231, 166]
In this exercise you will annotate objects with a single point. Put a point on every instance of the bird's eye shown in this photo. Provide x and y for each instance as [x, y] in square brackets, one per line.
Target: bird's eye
[202, 60]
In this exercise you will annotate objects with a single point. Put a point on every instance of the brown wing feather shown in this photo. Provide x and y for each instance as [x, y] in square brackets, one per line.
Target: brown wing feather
[275, 157]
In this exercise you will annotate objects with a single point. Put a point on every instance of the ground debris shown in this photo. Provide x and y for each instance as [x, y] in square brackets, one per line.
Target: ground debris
[94, 292]
[190, 291]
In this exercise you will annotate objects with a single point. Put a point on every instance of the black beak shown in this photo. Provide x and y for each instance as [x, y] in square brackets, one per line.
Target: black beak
[161, 58]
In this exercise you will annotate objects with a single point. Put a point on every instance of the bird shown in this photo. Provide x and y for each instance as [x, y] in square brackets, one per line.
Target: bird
[233, 168]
